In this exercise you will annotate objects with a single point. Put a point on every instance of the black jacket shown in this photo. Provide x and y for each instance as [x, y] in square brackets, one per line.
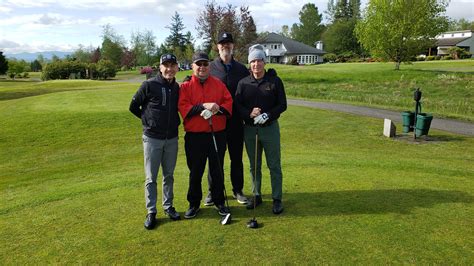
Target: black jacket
[156, 103]
[268, 94]
[230, 78]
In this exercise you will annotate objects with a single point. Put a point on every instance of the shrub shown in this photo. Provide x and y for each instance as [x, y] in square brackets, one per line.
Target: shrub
[330, 57]
[63, 70]
[106, 69]
[146, 70]
[438, 57]
[26, 75]
[430, 58]
[420, 58]
[447, 57]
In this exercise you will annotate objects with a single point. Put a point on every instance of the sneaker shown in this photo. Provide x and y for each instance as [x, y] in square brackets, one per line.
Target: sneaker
[277, 206]
[223, 210]
[208, 200]
[239, 196]
[150, 221]
[191, 212]
[173, 214]
[250, 203]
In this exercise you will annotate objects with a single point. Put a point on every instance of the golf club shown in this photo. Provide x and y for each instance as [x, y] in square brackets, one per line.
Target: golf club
[225, 219]
[252, 223]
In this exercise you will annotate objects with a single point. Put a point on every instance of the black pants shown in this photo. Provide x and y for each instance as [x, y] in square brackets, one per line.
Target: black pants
[235, 144]
[199, 148]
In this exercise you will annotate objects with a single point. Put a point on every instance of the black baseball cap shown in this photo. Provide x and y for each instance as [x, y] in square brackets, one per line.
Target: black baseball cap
[168, 58]
[200, 56]
[225, 37]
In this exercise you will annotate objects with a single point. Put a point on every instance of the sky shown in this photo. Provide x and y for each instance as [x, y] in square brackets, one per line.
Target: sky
[48, 25]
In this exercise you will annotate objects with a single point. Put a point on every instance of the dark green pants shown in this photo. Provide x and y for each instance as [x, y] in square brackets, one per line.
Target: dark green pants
[269, 142]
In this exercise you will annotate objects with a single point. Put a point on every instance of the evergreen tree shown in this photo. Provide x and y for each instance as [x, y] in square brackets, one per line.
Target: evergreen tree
[3, 64]
[176, 40]
[310, 28]
[112, 45]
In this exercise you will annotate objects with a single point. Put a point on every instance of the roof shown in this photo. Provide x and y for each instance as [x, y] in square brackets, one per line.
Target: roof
[292, 46]
[450, 41]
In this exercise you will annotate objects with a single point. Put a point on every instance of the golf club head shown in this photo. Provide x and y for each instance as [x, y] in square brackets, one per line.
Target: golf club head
[252, 223]
[226, 219]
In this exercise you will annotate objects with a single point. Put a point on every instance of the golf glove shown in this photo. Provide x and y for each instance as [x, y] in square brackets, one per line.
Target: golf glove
[261, 119]
[206, 114]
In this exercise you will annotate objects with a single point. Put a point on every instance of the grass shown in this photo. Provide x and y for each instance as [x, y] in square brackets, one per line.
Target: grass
[71, 183]
[447, 86]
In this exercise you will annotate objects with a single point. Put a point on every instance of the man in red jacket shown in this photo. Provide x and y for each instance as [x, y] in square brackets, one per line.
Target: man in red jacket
[202, 98]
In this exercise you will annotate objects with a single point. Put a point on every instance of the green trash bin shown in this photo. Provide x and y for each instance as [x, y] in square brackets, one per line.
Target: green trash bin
[423, 123]
[408, 119]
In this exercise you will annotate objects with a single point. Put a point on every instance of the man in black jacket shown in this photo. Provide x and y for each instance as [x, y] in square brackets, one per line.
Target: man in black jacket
[156, 104]
[230, 72]
[260, 99]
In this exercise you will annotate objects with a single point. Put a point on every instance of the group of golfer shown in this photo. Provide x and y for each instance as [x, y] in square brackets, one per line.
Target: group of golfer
[223, 105]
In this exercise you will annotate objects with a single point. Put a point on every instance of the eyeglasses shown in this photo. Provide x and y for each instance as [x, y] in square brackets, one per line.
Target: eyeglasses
[202, 63]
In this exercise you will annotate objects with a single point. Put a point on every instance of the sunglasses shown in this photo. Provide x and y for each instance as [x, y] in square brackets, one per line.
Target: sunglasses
[202, 63]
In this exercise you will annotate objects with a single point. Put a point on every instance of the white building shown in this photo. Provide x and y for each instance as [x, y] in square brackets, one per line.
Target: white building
[280, 49]
[463, 39]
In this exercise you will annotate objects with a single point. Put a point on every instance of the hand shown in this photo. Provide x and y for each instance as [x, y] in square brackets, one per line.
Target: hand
[261, 119]
[206, 114]
[255, 112]
[213, 107]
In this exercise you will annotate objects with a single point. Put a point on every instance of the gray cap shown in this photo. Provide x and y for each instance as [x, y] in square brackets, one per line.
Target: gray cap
[256, 52]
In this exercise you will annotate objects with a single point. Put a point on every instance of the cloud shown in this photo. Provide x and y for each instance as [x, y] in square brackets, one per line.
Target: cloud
[12, 47]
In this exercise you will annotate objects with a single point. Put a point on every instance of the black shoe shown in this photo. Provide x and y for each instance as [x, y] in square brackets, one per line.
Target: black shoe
[191, 212]
[277, 206]
[251, 204]
[150, 221]
[208, 200]
[239, 196]
[173, 214]
[222, 209]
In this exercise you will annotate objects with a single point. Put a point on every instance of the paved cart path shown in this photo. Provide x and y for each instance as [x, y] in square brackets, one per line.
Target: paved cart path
[454, 126]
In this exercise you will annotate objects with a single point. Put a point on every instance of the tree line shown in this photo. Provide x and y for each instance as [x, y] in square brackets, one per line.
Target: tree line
[393, 30]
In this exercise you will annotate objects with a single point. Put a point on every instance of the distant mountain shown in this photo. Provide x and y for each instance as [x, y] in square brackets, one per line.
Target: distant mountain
[29, 57]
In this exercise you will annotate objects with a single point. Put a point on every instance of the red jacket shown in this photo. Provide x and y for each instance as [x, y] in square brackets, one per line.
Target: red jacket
[194, 93]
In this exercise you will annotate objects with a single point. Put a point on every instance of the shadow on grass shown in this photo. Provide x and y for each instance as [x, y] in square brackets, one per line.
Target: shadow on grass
[408, 137]
[11, 95]
[353, 202]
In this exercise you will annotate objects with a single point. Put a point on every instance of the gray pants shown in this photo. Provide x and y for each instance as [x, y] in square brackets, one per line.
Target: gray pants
[159, 152]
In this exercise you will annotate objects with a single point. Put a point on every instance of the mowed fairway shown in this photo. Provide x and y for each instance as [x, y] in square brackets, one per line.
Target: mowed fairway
[71, 190]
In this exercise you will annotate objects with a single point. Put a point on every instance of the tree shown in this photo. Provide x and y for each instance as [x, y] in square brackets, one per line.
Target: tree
[36, 66]
[3, 64]
[248, 34]
[285, 31]
[144, 48]
[461, 24]
[112, 45]
[397, 30]
[339, 38]
[208, 24]
[95, 56]
[215, 19]
[176, 38]
[310, 28]
[16, 68]
[83, 54]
